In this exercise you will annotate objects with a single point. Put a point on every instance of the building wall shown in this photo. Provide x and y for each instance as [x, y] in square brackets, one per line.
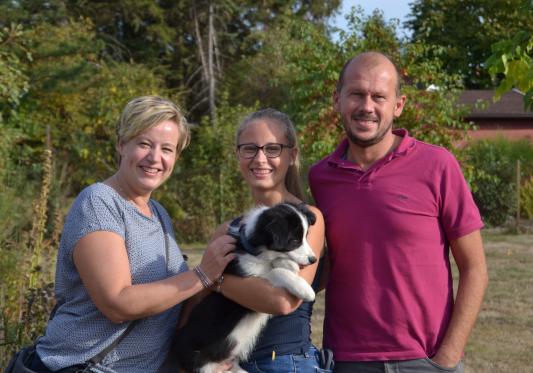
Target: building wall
[514, 129]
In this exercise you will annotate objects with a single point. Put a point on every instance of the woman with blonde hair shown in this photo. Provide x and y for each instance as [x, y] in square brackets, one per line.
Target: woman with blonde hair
[120, 276]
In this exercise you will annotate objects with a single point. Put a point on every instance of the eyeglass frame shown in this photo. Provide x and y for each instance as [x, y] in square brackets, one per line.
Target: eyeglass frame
[257, 148]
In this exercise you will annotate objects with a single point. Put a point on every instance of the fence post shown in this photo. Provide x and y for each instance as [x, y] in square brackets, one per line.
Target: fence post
[517, 194]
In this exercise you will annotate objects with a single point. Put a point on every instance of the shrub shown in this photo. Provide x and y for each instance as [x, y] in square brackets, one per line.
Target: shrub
[493, 176]
[208, 188]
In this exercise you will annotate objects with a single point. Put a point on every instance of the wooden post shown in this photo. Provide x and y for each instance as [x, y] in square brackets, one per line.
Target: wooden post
[518, 194]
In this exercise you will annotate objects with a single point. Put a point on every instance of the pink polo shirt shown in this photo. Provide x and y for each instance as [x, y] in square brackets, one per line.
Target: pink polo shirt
[390, 294]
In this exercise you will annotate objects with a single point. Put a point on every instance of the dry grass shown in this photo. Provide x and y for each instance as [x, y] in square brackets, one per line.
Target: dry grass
[502, 340]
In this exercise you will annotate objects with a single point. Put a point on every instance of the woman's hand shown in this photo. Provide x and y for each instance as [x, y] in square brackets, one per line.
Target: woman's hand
[216, 257]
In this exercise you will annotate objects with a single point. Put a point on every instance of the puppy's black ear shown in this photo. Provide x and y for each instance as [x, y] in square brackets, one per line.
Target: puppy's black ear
[310, 215]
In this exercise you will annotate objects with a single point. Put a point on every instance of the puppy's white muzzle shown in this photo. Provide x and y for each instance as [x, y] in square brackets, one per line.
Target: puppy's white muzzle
[303, 255]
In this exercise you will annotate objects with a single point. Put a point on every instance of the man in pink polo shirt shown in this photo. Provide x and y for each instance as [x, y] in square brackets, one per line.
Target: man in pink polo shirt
[394, 208]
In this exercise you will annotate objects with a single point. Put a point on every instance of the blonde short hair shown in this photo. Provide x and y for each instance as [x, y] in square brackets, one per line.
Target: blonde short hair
[145, 112]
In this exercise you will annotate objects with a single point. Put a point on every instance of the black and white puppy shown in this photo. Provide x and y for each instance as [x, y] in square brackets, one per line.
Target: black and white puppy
[272, 245]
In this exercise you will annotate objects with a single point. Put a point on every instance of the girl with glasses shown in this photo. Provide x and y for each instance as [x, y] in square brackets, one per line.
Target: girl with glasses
[268, 155]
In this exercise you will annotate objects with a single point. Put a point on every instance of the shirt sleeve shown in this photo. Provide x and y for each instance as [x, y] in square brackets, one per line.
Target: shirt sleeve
[94, 211]
[459, 214]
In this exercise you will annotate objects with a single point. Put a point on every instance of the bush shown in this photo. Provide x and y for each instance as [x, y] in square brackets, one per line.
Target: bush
[493, 176]
[208, 188]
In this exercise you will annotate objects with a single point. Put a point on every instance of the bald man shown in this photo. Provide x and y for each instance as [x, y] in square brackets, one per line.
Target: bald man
[394, 207]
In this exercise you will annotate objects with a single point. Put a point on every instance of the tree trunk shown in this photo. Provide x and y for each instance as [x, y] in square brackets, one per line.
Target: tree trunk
[211, 69]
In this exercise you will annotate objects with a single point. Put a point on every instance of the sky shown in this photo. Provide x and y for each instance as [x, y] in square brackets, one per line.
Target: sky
[391, 9]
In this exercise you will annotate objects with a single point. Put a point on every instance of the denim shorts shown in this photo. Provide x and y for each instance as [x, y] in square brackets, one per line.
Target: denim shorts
[307, 362]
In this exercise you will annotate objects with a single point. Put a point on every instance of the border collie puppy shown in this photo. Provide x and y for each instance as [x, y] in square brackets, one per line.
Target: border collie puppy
[272, 245]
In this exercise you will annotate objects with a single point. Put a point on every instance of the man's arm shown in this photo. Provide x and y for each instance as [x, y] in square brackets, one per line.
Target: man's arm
[473, 279]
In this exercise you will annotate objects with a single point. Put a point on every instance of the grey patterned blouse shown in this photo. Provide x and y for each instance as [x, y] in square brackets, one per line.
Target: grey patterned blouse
[78, 331]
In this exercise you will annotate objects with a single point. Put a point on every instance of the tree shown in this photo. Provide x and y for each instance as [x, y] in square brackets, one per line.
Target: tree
[467, 29]
[13, 85]
[209, 187]
[76, 96]
[310, 63]
[190, 43]
[513, 58]
[13, 81]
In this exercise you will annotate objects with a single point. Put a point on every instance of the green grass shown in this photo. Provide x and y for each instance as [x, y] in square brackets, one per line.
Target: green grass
[502, 339]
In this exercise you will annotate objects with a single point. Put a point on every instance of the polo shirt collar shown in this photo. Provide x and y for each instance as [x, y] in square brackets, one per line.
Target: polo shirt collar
[338, 158]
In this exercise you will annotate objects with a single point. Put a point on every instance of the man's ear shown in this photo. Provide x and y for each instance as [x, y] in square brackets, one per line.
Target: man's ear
[400, 103]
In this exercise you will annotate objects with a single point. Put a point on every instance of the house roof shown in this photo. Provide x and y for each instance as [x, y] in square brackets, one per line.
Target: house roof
[510, 105]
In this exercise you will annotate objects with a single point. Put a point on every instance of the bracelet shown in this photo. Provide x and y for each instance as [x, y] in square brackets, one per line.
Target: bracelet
[220, 280]
[206, 282]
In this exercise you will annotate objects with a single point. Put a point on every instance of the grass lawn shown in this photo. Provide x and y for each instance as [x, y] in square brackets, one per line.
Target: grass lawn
[502, 340]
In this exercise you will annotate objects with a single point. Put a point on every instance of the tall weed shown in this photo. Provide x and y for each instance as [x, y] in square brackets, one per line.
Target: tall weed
[26, 263]
[526, 198]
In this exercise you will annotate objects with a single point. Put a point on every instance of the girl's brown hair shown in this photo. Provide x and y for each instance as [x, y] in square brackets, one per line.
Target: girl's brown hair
[292, 179]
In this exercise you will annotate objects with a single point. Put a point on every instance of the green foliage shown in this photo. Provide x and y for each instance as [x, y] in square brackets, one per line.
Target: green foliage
[74, 100]
[312, 62]
[166, 35]
[13, 81]
[494, 175]
[467, 29]
[208, 188]
[13, 85]
[309, 63]
[514, 59]
[431, 113]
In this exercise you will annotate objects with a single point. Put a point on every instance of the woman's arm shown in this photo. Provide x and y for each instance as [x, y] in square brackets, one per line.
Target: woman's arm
[102, 261]
[259, 294]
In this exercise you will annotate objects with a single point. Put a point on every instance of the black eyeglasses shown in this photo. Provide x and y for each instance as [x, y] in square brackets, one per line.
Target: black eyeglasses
[271, 150]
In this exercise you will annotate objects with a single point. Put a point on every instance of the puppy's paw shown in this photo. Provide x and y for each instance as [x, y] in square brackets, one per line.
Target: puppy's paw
[308, 295]
[294, 284]
[302, 290]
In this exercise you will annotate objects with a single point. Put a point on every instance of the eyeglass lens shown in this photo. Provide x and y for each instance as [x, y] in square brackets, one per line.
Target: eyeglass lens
[271, 150]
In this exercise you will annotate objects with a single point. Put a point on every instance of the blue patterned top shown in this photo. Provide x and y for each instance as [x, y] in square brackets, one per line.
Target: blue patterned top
[78, 331]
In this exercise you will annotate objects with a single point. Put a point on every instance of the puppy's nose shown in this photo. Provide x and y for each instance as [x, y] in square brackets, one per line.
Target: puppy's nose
[311, 259]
